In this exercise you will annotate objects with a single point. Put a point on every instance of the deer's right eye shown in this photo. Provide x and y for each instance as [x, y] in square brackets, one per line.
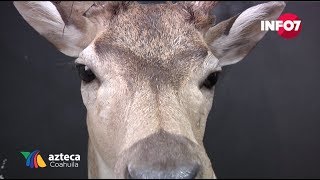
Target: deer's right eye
[85, 73]
[211, 80]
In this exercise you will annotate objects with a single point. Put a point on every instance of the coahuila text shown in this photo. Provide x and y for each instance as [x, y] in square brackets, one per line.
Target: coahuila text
[64, 160]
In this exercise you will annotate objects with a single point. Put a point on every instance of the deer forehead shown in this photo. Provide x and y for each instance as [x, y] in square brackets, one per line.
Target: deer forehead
[152, 43]
[153, 31]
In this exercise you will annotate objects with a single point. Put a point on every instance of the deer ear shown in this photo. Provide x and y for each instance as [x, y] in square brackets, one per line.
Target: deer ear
[231, 40]
[62, 23]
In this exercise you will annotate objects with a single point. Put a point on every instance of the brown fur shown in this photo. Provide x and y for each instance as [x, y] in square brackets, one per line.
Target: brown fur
[146, 108]
[146, 44]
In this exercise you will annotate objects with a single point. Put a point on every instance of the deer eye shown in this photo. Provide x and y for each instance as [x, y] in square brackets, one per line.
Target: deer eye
[211, 80]
[85, 73]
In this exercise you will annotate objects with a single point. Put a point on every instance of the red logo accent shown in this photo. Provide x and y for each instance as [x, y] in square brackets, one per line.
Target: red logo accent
[291, 26]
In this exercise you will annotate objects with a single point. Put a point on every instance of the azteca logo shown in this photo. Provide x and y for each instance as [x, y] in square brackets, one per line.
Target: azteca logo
[34, 160]
[288, 25]
[64, 160]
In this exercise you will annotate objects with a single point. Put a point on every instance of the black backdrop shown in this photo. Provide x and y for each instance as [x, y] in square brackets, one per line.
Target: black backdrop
[265, 122]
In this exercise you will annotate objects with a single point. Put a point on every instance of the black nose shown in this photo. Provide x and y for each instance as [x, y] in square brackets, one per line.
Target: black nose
[158, 171]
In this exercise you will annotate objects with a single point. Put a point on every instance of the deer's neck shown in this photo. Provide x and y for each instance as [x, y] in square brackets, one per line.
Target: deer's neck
[96, 166]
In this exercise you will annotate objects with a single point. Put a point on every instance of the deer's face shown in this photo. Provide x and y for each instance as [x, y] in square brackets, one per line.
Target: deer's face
[150, 68]
[148, 78]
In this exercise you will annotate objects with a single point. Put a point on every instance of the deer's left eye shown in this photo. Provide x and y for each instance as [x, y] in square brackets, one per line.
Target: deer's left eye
[211, 80]
[85, 73]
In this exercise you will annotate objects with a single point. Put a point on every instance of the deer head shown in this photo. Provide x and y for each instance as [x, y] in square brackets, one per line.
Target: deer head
[148, 74]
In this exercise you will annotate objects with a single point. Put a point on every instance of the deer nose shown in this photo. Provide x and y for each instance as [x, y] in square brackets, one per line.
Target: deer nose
[158, 171]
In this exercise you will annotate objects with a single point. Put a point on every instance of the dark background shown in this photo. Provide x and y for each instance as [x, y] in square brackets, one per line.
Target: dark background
[265, 122]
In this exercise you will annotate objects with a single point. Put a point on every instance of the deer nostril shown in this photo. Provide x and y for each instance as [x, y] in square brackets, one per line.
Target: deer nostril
[189, 171]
